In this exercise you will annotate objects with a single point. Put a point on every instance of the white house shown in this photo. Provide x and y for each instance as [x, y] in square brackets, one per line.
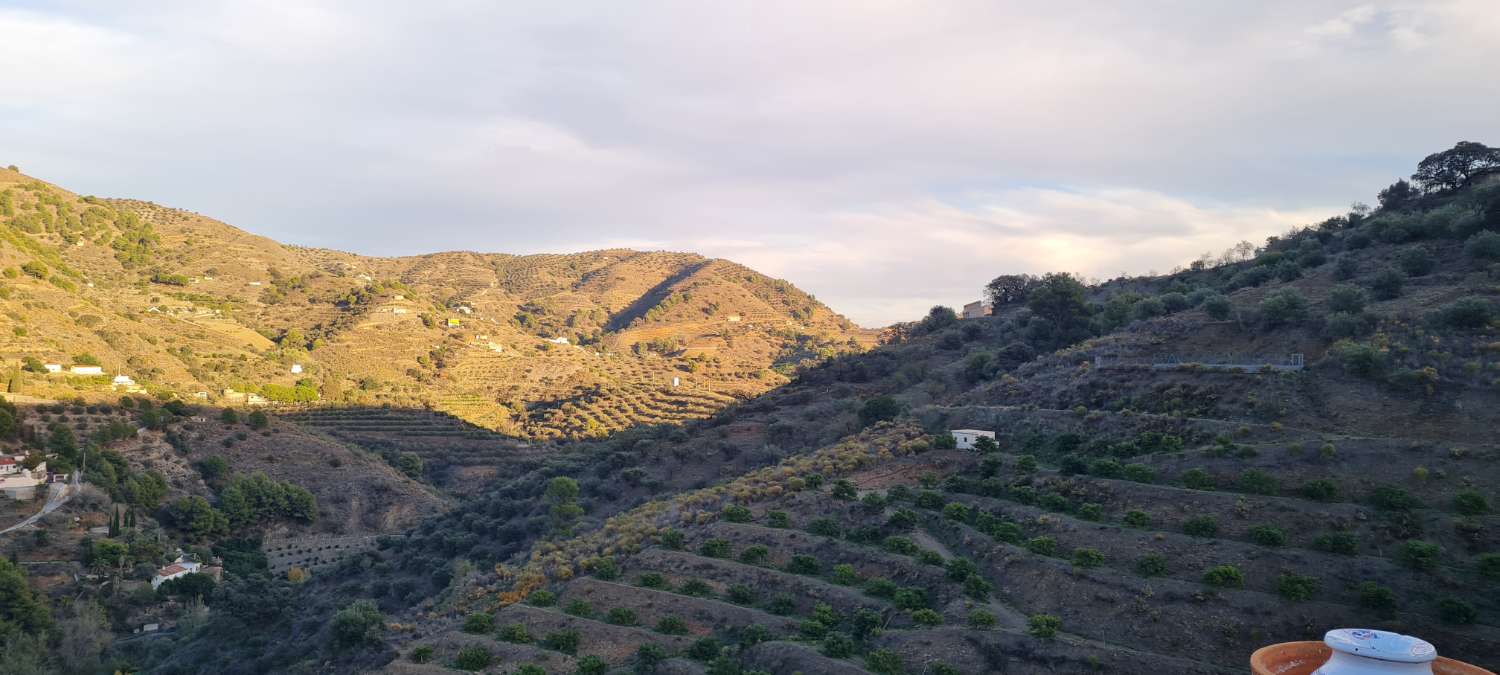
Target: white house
[181, 567]
[53, 367]
[296, 368]
[123, 379]
[86, 370]
[398, 310]
[10, 465]
[19, 482]
[968, 437]
[558, 340]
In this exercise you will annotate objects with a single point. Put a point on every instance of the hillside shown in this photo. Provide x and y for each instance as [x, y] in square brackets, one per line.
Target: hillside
[536, 347]
[1255, 449]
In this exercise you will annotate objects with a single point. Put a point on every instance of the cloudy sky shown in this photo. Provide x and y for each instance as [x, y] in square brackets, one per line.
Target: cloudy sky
[885, 156]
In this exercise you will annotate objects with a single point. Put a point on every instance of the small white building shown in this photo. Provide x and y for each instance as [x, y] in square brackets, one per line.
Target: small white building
[179, 568]
[558, 340]
[86, 370]
[19, 482]
[53, 367]
[968, 437]
[296, 368]
[398, 310]
[123, 381]
[676, 381]
[465, 309]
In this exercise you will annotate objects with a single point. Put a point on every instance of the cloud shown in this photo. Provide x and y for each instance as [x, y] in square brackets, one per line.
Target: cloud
[887, 156]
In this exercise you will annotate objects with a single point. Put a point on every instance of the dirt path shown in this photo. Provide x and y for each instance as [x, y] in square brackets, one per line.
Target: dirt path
[58, 494]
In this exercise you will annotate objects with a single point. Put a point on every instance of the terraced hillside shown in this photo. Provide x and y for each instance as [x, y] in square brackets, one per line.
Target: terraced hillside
[186, 306]
[1158, 498]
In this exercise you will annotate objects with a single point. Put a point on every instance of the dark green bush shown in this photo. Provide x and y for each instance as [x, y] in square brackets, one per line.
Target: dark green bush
[1136, 518]
[1296, 587]
[1342, 543]
[1201, 526]
[755, 554]
[622, 616]
[1469, 313]
[1419, 555]
[1258, 482]
[479, 623]
[1265, 535]
[715, 548]
[825, 527]
[1043, 625]
[565, 641]
[1470, 503]
[804, 564]
[1392, 498]
[1197, 479]
[1042, 545]
[473, 658]
[1224, 576]
[1321, 490]
[778, 519]
[1378, 598]
[1151, 565]
[735, 513]
[1218, 307]
[1455, 611]
[672, 625]
[1283, 307]
[1387, 284]
[1087, 557]
[1416, 261]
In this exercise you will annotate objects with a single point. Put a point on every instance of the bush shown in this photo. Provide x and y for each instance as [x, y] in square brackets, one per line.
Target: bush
[926, 617]
[1197, 479]
[1043, 625]
[927, 499]
[1087, 557]
[956, 512]
[1201, 526]
[672, 625]
[1375, 597]
[1453, 610]
[900, 545]
[715, 548]
[782, 605]
[673, 539]
[1136, 518]
[422, 654]
[844, 490]
[1258, 482]
[1139, 473]
[844, 575]
[516, 633]
[1419, 555]
[1218, 307]
[1346, 298]
[479, 623]
[592, 665]
[1342, 543]
[825, 527]
[1320, 490]
[1151, 565]
[652, 580]
[1091, 511]
[579, 608]
[910, 598]
[839, 646]
[705, 649]
[1470, 503]
[981, 620]
[359, 623]
[565, 641]
[735, 513]
[1469, 313]
[903, 519]
[884, 662]
[695, 587]
[1392, 498]
[1106, 468]
[1224, 576]
[621, 616]
[1344, 325]
[804, 564]
[1283, 307]
[1488, 565]
[1484, 246]
[1296, 587]
[1387, 284]
[1345, 268]
[1416, 261]
[755, 554]
[473, 658]
[1042, 545]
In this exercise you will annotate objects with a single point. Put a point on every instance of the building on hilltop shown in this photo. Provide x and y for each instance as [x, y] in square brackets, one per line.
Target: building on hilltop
[968, 437]
[977, 309]
[179, 568]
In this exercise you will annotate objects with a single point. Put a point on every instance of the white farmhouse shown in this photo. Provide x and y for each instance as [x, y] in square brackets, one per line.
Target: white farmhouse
[53, 368]
[968, 437]
[180, 568]
[86, 370]
[558, 340]
[296, 368]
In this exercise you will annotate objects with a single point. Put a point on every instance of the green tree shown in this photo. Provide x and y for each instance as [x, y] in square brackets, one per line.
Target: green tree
[562, 494]
[358, 623]
[1452, 168]
[878, 409]
[21, 610]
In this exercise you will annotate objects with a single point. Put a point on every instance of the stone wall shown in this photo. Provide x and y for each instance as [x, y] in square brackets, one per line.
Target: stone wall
[313, 552]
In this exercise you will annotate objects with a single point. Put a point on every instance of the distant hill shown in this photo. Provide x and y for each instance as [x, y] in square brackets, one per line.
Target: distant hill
[537, 346]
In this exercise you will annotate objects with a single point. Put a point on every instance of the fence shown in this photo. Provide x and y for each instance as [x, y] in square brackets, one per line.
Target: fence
[1249, 363]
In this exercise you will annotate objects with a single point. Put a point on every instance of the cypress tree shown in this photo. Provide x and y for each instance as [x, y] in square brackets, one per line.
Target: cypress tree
[114, 522]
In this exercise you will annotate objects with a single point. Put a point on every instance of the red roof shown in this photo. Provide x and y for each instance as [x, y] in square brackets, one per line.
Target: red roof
[169, 570]
[7, 460]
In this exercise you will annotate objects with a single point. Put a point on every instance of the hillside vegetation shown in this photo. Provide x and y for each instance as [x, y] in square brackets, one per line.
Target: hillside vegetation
[1261, 446]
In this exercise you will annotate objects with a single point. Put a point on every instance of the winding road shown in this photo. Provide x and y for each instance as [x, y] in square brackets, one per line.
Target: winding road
[58, 494]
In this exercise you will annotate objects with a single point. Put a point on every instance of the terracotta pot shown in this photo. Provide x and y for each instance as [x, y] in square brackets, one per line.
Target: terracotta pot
[1302, 658]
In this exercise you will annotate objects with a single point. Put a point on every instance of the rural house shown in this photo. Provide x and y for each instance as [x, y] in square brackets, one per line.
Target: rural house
[179, 568]
[968, 437]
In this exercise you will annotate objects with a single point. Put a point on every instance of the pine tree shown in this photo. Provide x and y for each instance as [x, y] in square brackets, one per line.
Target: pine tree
[114, 522]
[130, 519]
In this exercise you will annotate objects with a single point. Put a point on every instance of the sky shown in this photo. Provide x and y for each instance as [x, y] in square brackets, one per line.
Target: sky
[885, 156]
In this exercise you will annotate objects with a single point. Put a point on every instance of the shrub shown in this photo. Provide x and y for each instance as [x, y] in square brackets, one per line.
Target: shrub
[1043, 625]
[1453, 610]
[515, 632]
[844, 575]
[1139, 473]
[740, 594]
[1265, 535]
[1346, 326]
[1345, 268]
[695, 587]
[782, 605]
[1197, 479]
[1483, 246]
[755, 554]
[1296, 587]
[672, 625]
[530, 669]
[1469, 313]
[673, 539]
[541, 598]
[1218, 307]
[473, 658]
[1387, 284]
[605, 568]
[927, 557]
[579, 608]
[804, 564]
[1470, 503]
[778, 519]
[1283, 306]
[1321, 490]
[1106, 468]
[1416, 261]
[825, 527]
[1087, 557]
[1346, 298]
[1375, 597]
[735, 513]
[1136, 518]
[1091, 511]
[422, 654]
[910, 598]
[565, 641]
[1201, 526]
[958, 569]
[839, 646]
[358, 623]
[1151, 565]
[903, 519]
[956, 512]
[1042, 545]
[1392, 498]
[1419, 555]
[926, 617]
[978, 587]
[647, 657]
[880, 587]
[705, 649]
[592, 665]
[884, 662]
[900, 545]
[981, 620]
[621, 616]
[928, 499]
[479, 623]
[1259, 482]
[652, 580]
[715, 548]
[844, 490]
[1224, 576]
[1342, 543]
